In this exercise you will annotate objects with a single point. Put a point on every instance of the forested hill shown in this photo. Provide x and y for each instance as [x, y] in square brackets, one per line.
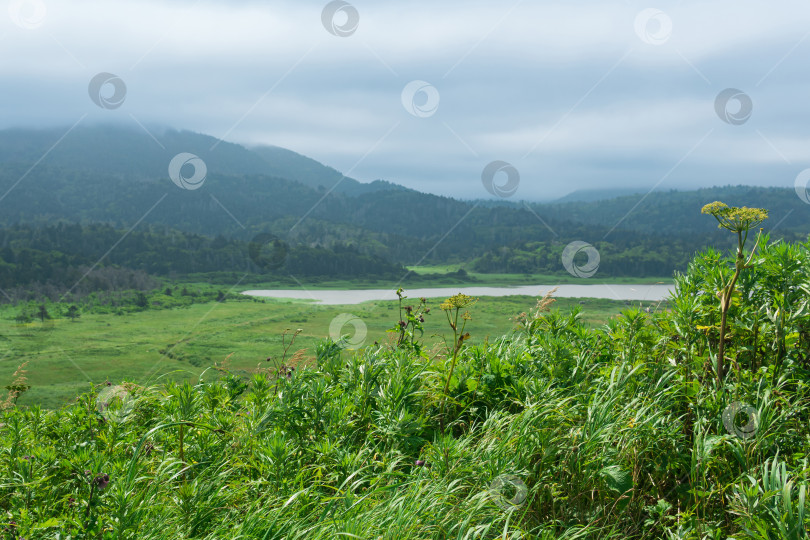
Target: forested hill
[119, 177]
[61, 257]
[673, 212]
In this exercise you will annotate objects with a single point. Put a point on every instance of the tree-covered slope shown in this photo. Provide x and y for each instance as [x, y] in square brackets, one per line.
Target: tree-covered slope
[671, 212]
[119, 176]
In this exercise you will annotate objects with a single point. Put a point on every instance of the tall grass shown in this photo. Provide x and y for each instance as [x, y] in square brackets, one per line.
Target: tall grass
[555, 430]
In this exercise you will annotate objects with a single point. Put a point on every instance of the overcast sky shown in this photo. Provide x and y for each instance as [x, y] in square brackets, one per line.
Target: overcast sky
[574, 95]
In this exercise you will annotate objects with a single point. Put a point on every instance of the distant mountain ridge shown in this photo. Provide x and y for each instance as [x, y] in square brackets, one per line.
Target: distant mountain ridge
[119, 176]
[145, 154]
[679, 211]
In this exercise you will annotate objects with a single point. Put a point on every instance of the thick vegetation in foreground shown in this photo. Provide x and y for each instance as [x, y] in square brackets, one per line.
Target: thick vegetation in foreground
[554, 431]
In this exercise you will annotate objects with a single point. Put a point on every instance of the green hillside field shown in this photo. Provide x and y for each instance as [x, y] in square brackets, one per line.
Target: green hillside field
[64, 356]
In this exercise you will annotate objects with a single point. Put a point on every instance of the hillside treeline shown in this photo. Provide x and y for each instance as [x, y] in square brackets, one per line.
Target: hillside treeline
[399, 225]
[61, 254]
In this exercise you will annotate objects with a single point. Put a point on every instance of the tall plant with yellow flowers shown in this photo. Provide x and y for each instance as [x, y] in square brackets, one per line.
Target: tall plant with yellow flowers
[452, 308]
[738, 221]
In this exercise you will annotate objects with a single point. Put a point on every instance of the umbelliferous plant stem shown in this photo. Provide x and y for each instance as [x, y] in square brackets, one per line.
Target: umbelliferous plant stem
[452, 308]
[739, 221]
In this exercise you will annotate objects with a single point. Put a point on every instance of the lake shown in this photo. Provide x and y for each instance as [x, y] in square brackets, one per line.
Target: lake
[649, 293]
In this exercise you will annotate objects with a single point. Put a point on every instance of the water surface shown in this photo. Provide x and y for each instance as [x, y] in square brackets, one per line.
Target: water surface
[650, 293]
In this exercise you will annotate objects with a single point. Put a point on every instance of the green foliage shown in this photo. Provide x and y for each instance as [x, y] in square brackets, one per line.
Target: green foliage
[452, 309]
[610, 432]
[58, 259]
[654, 239]
[117, 302]
[72, 312]
[738, 221]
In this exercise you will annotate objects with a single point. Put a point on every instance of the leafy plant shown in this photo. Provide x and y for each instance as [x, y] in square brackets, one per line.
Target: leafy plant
[738, 221]
[452, 309]
[410, 326]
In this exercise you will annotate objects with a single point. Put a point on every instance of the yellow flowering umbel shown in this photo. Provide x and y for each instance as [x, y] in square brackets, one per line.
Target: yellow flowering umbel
[451, 307]
[458, 301]
[733, 218]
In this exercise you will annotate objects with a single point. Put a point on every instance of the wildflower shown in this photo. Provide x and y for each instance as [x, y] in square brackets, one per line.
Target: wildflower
[402, 324]
[739, 221]
[421, 318]
[286, 370]
[419, 463]
[733, 218]
[458, 301]
[101, 480]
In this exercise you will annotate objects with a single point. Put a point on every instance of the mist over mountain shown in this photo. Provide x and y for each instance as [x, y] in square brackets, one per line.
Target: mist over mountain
[591, 195]
[145, 155]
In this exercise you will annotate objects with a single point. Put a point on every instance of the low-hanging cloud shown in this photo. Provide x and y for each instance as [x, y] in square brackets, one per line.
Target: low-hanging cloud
[574, 96]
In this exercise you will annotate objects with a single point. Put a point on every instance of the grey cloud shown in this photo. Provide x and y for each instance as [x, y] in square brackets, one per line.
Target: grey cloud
[600, 107]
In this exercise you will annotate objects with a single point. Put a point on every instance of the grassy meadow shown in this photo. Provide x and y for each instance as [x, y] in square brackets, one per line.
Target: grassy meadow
[65, 356]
